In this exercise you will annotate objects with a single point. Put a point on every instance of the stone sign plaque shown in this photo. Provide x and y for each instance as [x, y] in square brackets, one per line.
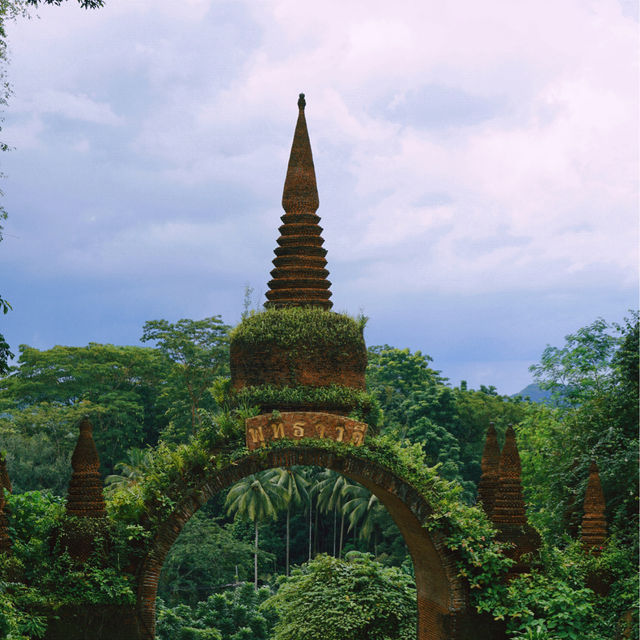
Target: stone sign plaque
[295, 425]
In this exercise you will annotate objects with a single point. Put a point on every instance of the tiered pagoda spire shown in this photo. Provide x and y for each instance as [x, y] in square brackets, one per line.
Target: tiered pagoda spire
[85, 499]
[5, 481]
[594, 522]
[300, 274]
[509, 506]
[509, 513]
[490, 479]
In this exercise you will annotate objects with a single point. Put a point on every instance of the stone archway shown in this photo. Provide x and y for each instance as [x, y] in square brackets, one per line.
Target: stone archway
[441, 594]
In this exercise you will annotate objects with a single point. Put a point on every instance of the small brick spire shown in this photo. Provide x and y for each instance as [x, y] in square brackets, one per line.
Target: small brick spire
[509, 512]
[509, 506]
[300, 274]
[490, 464]
[594, 522]
[85, 497]
[5, 541]
[5, 481]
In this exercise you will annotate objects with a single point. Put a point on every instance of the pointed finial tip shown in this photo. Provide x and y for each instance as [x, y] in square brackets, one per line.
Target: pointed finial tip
[301, 101]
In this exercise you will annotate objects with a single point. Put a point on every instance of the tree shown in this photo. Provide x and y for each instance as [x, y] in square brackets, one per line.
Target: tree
[296, 487]
[205, 557]
[117, 387]
[356, 598]
[199, 352]
[257, 498]
[582, 366]
[598, 366]
[232, 615]
[331, 492]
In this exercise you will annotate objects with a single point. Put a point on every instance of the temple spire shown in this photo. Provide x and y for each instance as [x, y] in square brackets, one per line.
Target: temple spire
[85, 497]
[509, 512]
[594, 522]
[490, 465]
[300, 276]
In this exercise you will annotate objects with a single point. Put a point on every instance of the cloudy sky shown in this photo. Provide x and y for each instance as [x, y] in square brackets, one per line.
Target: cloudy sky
[477, 165]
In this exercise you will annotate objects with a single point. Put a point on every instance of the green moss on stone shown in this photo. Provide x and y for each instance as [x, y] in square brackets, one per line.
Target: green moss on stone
[295, 326]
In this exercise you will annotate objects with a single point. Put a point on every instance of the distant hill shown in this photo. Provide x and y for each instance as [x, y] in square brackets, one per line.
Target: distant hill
[535, 394]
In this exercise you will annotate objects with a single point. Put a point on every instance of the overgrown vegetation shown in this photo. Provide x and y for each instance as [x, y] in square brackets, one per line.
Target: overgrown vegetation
[298, 327]
[332, 397]
[431, 436]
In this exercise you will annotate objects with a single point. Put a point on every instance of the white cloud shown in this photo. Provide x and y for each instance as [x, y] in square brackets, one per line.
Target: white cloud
[532, 185]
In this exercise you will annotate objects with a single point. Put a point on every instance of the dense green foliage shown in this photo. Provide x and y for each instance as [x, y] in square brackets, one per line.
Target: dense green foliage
[162, 420]
[199, 353]
[356, 598]
[119, 388]
[231, 615]
[333, 397]
[295, 326]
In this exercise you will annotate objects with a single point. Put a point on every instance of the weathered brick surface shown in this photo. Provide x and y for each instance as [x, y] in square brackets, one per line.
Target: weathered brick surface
[442, 594]
[490, 479]
[594, 521]
[509, 512]
[300, 275]
[85, 498]
[318, 365]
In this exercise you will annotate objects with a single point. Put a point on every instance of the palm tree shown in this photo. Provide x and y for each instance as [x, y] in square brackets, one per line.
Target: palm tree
[131, 470]
[365, 510]
[330, 491]
[296, 485]
[258, 498]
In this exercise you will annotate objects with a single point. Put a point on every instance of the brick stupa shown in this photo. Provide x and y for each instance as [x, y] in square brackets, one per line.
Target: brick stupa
[85, 499]
[490, 479]
[509, 512]
[266, 350]
[300, 274]
[594, 522]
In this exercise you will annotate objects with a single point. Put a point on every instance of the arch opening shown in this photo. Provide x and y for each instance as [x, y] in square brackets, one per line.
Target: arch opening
[441, 594]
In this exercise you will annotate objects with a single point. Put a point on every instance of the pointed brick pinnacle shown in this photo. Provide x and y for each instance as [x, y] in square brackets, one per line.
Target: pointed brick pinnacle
[85, 497]
[594, 522]
[509, 506]
[300, 274]
[490, 478]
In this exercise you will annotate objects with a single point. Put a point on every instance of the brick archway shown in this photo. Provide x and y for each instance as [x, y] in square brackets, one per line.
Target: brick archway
[441, 594]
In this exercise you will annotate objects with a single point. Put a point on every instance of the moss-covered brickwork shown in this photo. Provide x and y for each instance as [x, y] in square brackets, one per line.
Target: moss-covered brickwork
[300, 358]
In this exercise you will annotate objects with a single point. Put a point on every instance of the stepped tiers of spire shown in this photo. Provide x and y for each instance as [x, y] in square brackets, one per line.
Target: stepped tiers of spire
[300, 275]
[594, 522]
[509, 513]
[490, 479]
[509, 506]
[85, 497]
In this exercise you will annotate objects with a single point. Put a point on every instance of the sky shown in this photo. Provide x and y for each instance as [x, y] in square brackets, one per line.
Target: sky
[477, 166]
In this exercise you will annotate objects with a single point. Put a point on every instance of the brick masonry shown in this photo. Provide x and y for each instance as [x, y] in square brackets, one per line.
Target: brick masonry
[318, 365]
[442, 594]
